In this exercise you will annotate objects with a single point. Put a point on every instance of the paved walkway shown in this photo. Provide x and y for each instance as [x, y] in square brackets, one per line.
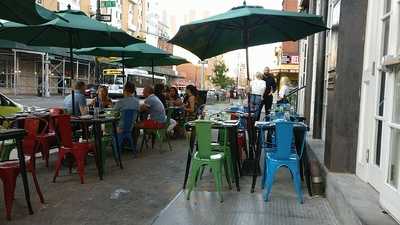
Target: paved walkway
[152, 181]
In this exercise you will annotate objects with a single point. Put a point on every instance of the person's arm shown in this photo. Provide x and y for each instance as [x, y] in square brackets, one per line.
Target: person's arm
[190, 106]
[178, 102]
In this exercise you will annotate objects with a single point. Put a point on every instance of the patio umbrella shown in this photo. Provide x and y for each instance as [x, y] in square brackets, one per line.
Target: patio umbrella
[79, 32]
[168, 60]
[146, 53]
[134, 50]
[25, 11]
[243, 27]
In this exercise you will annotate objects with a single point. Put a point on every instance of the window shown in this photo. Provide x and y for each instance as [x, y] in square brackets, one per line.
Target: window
[394, 169]
[396, 100]
[378, 146]
[381, 102]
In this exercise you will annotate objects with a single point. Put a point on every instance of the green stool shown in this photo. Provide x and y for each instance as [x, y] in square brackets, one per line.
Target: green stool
[206, 157]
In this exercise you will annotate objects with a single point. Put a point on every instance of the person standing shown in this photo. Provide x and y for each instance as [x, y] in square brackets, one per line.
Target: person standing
[257, 89]
[284, 91]
[270, 88]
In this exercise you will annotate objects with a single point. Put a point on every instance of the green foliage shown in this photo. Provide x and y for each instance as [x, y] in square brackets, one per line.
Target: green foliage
[219, 77]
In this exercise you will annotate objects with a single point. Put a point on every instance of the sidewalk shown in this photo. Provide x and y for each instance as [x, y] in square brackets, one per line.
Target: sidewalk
[154, 182]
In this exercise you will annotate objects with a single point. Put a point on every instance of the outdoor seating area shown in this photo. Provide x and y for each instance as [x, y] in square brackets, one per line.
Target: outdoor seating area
[209, 155]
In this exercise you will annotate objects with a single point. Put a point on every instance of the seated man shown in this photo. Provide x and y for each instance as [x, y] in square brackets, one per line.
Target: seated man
[80, 99]
[153, 106]
[128, 102]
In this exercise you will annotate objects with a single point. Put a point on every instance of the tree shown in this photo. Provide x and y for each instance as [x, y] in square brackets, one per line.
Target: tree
[219, 77]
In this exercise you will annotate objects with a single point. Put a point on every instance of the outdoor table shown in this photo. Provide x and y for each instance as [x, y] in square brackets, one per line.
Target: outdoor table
[298, 128]
[232, 126]
[98, 134]
[18, 135]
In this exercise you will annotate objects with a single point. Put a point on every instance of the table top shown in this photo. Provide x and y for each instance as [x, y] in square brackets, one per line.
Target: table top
[91, 119]
[271, 124]
[218, 124]
[6, 134]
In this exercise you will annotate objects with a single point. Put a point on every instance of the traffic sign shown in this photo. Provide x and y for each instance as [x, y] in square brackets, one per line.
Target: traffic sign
[107, 4]
[104, 17]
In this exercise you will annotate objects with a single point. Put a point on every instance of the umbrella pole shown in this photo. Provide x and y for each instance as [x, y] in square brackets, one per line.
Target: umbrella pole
[152, 69]
[123, 64]
[71, 60]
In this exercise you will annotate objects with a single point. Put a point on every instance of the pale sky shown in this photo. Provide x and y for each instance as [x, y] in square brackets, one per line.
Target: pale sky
[259, 56]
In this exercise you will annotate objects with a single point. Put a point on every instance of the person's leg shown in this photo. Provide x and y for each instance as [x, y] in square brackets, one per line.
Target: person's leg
[268, 104]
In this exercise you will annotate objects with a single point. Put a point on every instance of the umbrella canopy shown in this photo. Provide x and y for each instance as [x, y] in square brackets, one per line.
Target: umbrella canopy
[73, 30]
[169, 60]
[134, 50]
[25, 11]
[243, 27]
[141, 50]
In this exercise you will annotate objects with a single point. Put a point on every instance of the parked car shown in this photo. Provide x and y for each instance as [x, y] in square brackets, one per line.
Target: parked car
[8, 106]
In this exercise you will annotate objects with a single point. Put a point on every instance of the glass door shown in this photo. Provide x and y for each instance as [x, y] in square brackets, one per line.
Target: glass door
[390, 193]
[375, 174]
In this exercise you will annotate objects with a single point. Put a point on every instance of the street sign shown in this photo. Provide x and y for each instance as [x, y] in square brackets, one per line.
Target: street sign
[107, 4]
[104, 18]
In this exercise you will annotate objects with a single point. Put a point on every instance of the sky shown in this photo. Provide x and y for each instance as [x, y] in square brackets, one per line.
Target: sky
[259, 56]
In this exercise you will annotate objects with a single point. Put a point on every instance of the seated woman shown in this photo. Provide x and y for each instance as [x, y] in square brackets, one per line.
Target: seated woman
[191, 103]
[102, 100]
[173, 98]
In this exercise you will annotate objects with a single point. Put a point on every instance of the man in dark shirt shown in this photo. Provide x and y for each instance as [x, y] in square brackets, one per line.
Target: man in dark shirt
[269, 90]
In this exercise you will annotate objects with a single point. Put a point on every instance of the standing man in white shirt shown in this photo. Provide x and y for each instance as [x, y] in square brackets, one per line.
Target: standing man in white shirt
[257, 89]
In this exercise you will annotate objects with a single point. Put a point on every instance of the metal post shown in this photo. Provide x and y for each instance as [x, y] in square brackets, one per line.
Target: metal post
[47, 87]
[88, 77]
[202, 75]
[152, 69]
[15, 72]
[77, 70]
[63, 78]
[98, 12]
[43, 78]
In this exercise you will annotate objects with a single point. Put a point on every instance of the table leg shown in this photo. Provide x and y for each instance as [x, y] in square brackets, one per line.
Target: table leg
[22, 165]
[256, 162]
[114, 124]
[189, 156]
[234, 151]
[99, 152]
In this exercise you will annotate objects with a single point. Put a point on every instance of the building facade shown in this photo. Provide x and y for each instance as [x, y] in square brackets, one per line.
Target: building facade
[287, 55]
[378, 155]
[352, 98]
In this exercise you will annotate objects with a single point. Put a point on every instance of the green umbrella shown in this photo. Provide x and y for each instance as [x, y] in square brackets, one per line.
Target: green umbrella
[79, 31]
[144, 51]
[168, 60]
[243, 27]
[25, 11]
[135, 50]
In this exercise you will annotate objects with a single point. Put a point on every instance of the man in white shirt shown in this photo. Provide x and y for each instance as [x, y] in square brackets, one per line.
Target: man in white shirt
[257, 89]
